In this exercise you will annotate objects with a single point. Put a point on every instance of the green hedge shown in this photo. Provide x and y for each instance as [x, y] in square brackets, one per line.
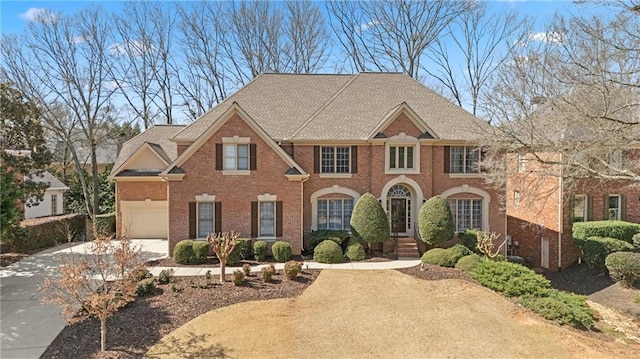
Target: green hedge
[260, 250]
[469, 239]
[281, 251]
[636, 240]
[445, 257]
[190, 252]
[46, 232]
[560, 307]
[613, 229]
[105, 224]
[355, 251]
[435, 221]
[369, 222]
[200, 251]
[511, 279]
[469, 262]
[596, 249]
[244, 249]
[319, 236]
[328, 252]
[624, 267]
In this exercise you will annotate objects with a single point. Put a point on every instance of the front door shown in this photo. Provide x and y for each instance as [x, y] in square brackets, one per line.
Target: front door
[398, 215]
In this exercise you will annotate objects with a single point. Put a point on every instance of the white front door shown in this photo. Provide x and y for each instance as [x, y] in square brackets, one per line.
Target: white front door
[544, 253]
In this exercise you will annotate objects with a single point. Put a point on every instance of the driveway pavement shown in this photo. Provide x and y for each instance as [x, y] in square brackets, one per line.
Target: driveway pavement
[27, 327]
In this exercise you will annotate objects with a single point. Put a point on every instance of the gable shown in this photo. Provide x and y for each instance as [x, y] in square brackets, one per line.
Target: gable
[402, 123]
[146, 159]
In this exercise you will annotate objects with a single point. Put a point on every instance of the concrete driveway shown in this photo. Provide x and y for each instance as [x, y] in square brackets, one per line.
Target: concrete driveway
[27, 327]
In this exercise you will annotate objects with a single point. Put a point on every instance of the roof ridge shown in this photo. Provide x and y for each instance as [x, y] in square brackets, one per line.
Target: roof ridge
[323, 106]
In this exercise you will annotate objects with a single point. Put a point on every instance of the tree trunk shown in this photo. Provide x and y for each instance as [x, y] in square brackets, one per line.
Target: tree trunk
[96, 181]
[223, 265]
[103, 334]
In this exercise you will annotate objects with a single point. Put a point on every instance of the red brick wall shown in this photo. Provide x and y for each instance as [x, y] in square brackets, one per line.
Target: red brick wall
[137, 191]
[235, 192]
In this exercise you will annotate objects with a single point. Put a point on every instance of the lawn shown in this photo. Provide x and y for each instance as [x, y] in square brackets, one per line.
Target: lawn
[363, 314]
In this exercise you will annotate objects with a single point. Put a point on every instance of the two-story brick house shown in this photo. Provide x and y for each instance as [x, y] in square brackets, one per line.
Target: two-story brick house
[288, 154]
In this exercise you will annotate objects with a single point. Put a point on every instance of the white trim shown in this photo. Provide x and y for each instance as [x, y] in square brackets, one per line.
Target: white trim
[413, 187]
[205, 197]
[486, 199]
[585, 210]
[236, 139]
[137, 153]
[402, 140]
[213, 220]
[466, 175]
[336, 175]
[267, 197]
[335, 161]
[324, 191]
[619, 209]
[236, 172]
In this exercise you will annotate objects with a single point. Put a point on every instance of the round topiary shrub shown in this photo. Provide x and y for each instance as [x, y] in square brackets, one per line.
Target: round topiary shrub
[355, 251]
[327, 252]
[467, 263]
[624, 267]
[281, 251]
[369, 222]
[455, 253]
[260, 249]
[183, 252]
[435, 221]
[437, 256]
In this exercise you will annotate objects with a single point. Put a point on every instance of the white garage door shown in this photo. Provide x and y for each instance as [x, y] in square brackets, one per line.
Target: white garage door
[144, 219]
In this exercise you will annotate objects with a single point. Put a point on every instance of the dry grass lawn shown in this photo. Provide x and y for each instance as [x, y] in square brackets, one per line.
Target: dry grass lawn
[382, 314]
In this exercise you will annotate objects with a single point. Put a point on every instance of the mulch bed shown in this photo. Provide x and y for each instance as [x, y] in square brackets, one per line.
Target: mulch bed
[433, 272]
[134, 329]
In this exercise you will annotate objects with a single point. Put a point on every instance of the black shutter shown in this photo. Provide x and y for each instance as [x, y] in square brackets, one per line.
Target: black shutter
[447, 159]
[354, 159]
[278, 218]
[218, 223]
[253, 159]
[192, 220]
[572, 206]
[605, 207]
[316, 159]
[254, 219]
[589, 209]
[219, 157]
[623, 207]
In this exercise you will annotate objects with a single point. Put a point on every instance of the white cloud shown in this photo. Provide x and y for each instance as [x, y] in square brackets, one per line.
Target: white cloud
[554, 37]
[129, 47]
[366, 26]
[36, 14]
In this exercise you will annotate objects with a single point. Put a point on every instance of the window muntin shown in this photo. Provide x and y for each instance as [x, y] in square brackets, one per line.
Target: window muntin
[54, 204]
[335, 214]
[467, 213]
[580, 208]
[335, 159]
[522, 161]
[613, 207]
[516, 198]
[267, 215]
[401, 157]
[205, 219]
[464, 159]
[236, 157]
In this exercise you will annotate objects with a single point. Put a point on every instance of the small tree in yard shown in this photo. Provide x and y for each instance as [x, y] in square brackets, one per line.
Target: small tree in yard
[435, 221]
[223, 245]
[368, 220]
[487, 244]
[97, 285]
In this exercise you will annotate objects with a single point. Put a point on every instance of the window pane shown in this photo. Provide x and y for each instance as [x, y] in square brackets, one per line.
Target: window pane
[471, 163]
[335, 214]
[392, 157]
[476, 214]
[322, 214]
[409, 157]
[457, 159]
[464, 214]
[267, 219]
[401, 157]
[348, 208]
[342, 160]
[243, 157]
[579, 209]
[205, 219]
[328, 160]
[614, 207]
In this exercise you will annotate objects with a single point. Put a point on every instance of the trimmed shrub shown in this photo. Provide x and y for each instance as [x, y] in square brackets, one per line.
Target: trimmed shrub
[238, 277]
[561, 307]
[328, 252]
[319, 236]
[624, 267]
[613, 229]
[511, 279]
[139, 274]
[355, 251]
[200, 252]
[435, 221]
[267, 273]
[281, 251]
[596, 249]
[636, 240]
[246, 269]
[437, 256]
[292, 269]
[105, 223]
[469, 262]
[469, 239]
[455, 253]
[165, 276]
[260, 249]
[234, 258]
[369, 222]
[38, 233]
[243, 246]
[146, 286]
[183, 252]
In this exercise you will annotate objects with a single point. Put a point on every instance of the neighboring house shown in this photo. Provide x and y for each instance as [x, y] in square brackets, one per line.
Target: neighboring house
[541, 208]
[53, 201]
[289, 154]
[106, 155]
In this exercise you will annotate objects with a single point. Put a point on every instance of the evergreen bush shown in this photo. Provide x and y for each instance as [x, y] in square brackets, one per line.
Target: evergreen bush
[435, 221]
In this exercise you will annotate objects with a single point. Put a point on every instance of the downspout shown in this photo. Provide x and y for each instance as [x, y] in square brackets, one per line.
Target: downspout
[560, 214]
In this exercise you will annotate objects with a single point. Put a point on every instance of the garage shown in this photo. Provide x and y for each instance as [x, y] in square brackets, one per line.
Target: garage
[144, 219]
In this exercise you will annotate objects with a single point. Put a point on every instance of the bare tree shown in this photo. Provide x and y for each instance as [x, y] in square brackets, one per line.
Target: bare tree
[307, 37]
[142, 66]
[483, 41]
[62, 61]
[392, 35]
[223, 245]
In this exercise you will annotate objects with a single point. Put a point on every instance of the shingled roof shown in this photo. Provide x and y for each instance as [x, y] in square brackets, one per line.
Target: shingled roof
[157, 137]
[294, 107]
